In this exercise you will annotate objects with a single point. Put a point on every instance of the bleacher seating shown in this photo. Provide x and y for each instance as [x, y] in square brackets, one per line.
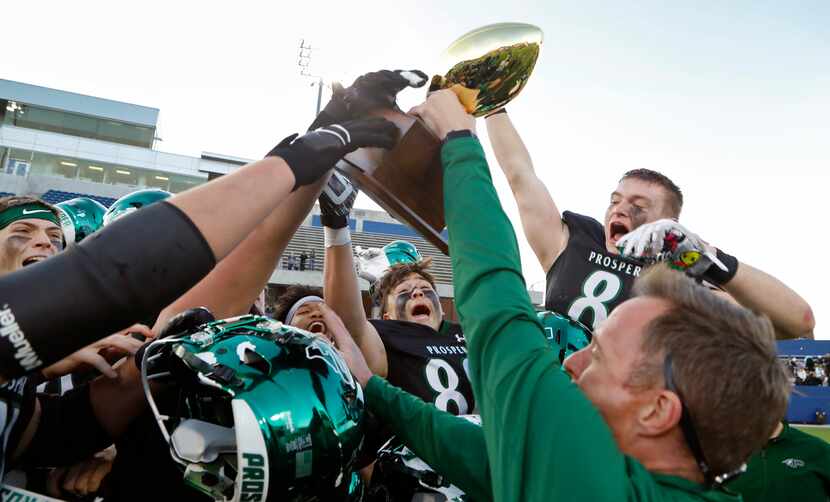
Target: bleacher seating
[56, 196]
[309, 239]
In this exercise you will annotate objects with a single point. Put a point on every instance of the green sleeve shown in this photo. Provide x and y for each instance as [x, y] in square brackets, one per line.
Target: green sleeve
[451, 445]
[545, 441]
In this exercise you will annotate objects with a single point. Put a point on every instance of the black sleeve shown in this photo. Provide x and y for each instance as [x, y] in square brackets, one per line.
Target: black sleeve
[68, 431]
[579, 223]
[116, 277]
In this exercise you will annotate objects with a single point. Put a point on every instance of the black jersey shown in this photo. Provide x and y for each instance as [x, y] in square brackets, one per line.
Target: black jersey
[143, 469]
[17, 405]
[427, 363]
[586, 282]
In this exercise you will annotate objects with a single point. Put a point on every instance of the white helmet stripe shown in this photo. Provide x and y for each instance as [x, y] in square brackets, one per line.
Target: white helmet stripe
[333, 133]
[67, 226]
[251, 455]
[345, 131]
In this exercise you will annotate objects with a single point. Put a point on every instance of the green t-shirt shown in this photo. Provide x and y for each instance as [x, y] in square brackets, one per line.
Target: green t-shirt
[540, 439]
[793, 466]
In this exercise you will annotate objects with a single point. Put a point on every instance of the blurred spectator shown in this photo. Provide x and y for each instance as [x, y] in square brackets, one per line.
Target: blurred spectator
[812, 379]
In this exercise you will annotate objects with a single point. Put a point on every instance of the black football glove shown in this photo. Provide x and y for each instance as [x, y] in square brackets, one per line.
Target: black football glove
[336, 201]
[369, 92]
[180, 324]
[311, 155]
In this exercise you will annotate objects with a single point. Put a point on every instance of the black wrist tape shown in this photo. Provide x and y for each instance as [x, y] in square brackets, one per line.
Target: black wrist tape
[334, 221]
[720, 277]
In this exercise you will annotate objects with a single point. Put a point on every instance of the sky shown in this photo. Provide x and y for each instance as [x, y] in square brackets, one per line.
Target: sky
[729, 99]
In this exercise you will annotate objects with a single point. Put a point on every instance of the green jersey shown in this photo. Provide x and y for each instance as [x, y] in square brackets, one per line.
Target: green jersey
[541, 439]
[794, 465]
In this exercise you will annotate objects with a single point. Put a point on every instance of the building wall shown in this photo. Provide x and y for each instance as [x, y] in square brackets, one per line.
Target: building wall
[72, 157]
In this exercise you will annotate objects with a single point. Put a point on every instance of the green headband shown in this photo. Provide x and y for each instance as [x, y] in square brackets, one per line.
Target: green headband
[32, 210]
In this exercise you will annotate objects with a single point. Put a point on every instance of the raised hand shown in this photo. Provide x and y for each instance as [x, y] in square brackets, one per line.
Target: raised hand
[311, 155]
[442, 112]
[336, 201]
[669, 241]
[369, 92]
[99, 354]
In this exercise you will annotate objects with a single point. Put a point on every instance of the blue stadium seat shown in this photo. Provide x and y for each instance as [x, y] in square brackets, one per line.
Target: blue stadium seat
[56, 196]
[5, 194]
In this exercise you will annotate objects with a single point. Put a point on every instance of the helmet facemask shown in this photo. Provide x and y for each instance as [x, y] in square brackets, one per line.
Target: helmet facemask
[264, 410]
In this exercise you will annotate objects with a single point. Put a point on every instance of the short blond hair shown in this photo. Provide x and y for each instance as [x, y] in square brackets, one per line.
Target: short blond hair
[397, 274]
[724, 363]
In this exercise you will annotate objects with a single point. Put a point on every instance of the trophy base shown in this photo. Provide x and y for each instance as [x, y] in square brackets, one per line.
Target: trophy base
[406, 181]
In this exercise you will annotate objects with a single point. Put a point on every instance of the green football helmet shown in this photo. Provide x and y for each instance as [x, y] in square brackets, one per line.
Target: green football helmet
[372, 263]
[134, 201]
[401, 252]
[400, 475]
[564, 334]
[266, 411]
[80, 217]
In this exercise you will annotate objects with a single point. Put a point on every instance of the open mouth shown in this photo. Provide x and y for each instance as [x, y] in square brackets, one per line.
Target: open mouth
[420, 310]
[317, 327]
[33, 259]
[617, 230]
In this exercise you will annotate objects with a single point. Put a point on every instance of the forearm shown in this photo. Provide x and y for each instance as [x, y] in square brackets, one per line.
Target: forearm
[343, 295]
[511, 152]
[124, 273]
[487, 273]
[227, 209]
[233, 285]
[116, 402]
[763, 293]
[540, 217]
[452, 446]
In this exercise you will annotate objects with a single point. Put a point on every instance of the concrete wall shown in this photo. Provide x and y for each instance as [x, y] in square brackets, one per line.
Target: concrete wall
[38, 185]
[18, 185]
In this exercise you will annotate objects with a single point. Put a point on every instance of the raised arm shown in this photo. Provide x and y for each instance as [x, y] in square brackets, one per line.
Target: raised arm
[533, 417]
[232, 286]
[756, 290]
[144, 261]
[541, 220]
[763, 293]
[342, 290]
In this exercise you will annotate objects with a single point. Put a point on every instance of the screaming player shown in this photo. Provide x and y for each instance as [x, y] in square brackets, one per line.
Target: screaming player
[586, 275]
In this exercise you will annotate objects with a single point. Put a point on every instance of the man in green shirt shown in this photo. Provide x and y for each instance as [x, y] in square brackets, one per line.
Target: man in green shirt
[793, 465]
[664, 376]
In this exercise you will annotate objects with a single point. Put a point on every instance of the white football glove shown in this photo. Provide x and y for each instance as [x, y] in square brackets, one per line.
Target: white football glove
[370, 263]
[668, 240]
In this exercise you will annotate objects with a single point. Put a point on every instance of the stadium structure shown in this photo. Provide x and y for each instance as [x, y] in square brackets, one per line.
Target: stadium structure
[59, 145]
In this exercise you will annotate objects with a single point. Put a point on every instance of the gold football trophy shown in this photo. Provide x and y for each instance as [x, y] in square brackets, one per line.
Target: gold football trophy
[486, 68]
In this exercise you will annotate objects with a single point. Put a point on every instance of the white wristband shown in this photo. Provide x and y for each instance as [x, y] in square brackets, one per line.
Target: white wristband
[336, 236]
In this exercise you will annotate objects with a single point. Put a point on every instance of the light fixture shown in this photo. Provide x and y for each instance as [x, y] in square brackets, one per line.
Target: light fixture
[121, 171]
[96, 168]
[163, 178]
[70, 164]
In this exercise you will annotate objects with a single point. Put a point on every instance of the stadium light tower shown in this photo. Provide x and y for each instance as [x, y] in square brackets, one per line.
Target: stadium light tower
[303, 62]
